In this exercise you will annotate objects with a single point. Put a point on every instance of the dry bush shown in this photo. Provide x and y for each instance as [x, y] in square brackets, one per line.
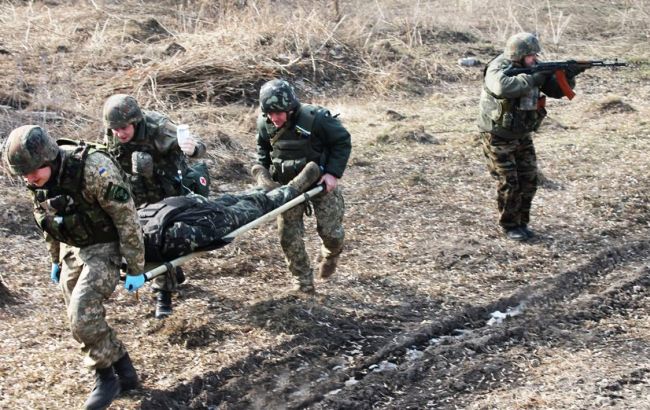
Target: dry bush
[220, 52]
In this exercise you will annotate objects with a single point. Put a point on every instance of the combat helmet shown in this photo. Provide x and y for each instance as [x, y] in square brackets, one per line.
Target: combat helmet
[121, 110]
[521, 45]
[27, 149]
[276, 96]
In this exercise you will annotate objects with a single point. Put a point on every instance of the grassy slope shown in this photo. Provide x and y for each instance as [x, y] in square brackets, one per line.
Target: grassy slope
[420, 219]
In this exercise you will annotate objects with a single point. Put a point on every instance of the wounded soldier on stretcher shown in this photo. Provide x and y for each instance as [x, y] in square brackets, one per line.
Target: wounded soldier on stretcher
[181, 225]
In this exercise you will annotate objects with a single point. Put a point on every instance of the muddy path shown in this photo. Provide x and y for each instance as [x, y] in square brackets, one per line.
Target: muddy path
[391, 360]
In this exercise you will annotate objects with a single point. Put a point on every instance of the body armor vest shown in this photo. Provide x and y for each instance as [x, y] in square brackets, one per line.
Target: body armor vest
[64, 213]
[166, 181]
[519, 115]
[295, 146]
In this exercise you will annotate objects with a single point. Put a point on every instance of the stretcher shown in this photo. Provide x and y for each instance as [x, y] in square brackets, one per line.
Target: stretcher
[169, 266]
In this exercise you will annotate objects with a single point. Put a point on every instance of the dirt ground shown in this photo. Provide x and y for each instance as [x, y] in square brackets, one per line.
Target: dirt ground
[431, 306]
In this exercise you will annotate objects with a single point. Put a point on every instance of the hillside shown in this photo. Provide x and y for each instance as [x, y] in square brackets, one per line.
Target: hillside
[415, 315]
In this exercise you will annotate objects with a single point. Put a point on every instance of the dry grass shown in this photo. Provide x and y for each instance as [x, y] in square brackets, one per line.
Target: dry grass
[422, 244]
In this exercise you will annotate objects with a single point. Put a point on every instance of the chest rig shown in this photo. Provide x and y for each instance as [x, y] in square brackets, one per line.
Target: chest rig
[63, 212]
[519, 115]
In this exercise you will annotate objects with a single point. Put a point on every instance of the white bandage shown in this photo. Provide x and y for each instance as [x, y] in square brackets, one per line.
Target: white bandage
[186, 141]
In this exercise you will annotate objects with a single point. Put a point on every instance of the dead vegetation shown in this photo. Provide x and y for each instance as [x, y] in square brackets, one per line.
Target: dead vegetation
[404, 322]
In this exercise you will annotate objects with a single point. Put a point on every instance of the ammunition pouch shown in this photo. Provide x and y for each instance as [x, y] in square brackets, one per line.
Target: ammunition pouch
[504, 112]
[284, 171]
[78, 229]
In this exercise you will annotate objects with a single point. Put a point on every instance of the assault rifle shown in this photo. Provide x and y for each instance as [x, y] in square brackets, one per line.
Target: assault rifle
[560, 68]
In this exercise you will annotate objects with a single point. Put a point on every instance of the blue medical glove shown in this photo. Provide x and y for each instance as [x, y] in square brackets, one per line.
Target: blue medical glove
[55, 273]
[134, 282]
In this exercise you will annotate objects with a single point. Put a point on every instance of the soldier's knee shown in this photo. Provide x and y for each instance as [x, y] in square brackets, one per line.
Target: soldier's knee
[333, 239]
[85, 331]
[511, 183]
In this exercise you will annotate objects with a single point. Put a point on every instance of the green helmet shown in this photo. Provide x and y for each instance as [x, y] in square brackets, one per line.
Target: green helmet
[27, 149]
[121, 110]
[277, 95]
[521, 45]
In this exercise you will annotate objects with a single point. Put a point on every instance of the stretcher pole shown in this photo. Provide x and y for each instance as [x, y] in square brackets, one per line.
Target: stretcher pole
[232, 235]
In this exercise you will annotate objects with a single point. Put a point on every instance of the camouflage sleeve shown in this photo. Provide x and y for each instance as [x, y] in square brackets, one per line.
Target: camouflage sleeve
[104, 185]
[165, 141]
[53, 247]
[263, 143]
[337, 143]
[504, 86]
[200, 150]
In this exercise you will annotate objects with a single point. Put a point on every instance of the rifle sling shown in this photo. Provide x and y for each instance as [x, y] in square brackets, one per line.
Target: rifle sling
[278, 135]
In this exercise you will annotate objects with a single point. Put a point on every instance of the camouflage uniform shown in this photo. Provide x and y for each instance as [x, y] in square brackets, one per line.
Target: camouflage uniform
[310, 134]
[507, 128]
[178, 226]
[90, 223]
[90, 273]
[155, 135]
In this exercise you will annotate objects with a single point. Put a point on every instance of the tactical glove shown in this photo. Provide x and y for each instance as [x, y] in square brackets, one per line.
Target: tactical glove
[55, 273]
[134, 282]
[142, 164]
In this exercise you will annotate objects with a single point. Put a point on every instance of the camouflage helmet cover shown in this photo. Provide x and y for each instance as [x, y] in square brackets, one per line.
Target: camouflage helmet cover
[276, 96]
[121, 110]
[521, 45]
[28, 148]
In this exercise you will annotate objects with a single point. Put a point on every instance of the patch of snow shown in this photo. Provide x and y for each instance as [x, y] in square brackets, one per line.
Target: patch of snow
[498, 316]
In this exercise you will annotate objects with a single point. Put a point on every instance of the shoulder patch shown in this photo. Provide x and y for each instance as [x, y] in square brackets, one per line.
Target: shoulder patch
[102, 171]
[117, 193]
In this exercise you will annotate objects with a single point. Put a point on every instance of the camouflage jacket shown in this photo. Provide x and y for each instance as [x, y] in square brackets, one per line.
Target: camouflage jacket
[156, 136]
[80, 205]
[499, 113]
[311, 134]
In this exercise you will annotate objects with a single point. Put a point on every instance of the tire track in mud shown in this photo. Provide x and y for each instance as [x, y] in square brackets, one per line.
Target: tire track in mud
[460, 362]
[304, 374]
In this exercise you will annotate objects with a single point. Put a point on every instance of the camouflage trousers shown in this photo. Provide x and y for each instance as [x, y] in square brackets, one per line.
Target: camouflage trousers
[89, 276]
[514, 165]
[329, 209]
[230, 213]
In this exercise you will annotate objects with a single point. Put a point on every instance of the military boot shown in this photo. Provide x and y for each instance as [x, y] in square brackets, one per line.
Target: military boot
[263, 178]
[163, 304]
[126, 373]
[327, 267]
[306, 283]
[106, 388]
[529, 234]
[306, 178]
[515, 234]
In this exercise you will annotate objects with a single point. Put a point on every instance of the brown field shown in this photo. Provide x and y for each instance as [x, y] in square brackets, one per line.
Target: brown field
[406, 321]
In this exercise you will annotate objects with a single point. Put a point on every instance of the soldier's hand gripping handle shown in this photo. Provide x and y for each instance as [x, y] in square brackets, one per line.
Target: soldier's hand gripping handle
[134, 282]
